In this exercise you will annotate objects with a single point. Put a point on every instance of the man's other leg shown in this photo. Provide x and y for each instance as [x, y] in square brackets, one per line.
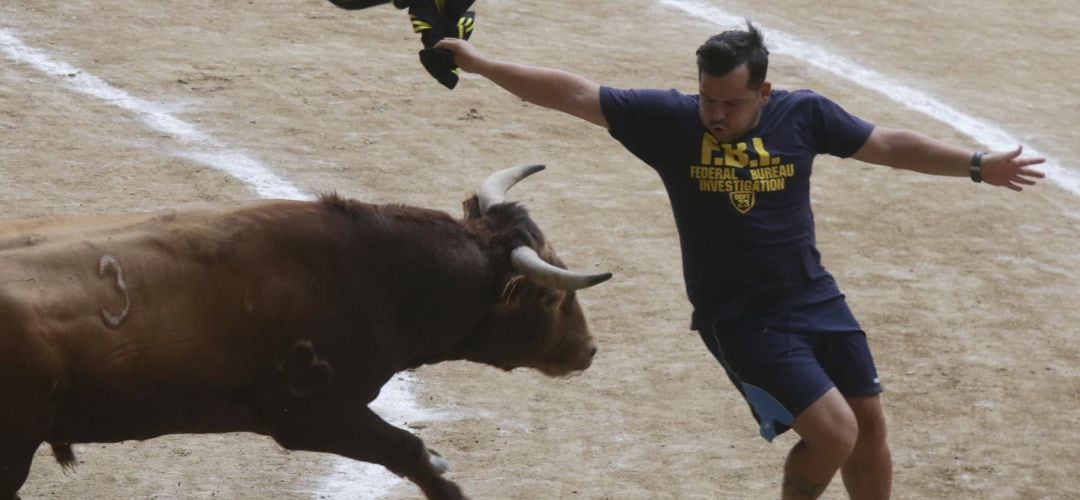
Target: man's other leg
[829, 432]
[868, 471]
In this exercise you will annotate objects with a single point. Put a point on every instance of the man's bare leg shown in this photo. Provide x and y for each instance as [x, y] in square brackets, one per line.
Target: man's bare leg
[868, 471]
[829, 431]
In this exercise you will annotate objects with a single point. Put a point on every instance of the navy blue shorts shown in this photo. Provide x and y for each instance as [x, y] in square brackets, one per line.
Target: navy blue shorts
[783, 359]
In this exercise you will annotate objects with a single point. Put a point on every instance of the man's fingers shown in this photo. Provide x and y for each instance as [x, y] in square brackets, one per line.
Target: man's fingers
[451, 42]
[1031, 173]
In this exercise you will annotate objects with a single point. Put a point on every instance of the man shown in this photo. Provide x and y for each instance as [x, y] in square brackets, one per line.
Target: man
[736, 161]
[434, 20]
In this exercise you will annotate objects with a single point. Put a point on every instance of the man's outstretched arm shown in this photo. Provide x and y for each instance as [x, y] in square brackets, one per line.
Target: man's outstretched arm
[550, 88]
[914, 151]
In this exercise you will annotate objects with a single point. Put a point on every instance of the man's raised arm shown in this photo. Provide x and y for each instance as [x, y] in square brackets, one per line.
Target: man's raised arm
[910, 150]
[550, 88]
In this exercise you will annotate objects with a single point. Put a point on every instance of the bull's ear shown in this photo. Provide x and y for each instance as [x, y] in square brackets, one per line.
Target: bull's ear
[471, 206]
[507, 297]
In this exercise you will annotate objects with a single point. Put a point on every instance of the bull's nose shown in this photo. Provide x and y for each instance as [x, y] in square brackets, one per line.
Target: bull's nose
[588, 360]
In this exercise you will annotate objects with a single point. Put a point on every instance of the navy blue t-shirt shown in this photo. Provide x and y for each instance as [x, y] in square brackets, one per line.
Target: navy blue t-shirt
[742, 208]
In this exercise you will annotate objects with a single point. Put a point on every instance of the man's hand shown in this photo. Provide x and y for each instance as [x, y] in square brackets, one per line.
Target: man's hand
[1007, 169]
[466, 56]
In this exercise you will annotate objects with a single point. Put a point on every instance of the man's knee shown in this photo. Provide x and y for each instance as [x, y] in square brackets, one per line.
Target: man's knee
[870, 418]
[829, 424]
[841, 438]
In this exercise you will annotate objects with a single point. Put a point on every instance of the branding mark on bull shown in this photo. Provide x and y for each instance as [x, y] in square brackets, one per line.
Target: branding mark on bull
[113, 320]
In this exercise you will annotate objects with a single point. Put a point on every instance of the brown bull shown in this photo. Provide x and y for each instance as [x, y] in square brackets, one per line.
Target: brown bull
[283, 318]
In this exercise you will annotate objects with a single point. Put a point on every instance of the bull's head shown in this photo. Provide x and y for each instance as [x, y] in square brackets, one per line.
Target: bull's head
[538, 322]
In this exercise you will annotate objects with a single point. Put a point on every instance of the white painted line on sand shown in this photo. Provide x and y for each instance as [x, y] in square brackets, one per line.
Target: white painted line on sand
[201, 147]
[989, 134]
[396, 404]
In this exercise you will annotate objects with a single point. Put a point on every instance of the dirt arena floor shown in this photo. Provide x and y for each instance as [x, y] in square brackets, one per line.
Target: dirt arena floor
[969, 293]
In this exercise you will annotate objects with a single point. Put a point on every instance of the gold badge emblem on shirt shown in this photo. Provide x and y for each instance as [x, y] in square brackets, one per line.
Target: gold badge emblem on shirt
[743, 201]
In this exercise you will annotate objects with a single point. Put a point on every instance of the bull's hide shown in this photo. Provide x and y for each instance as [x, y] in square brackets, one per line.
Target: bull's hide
[277, 317]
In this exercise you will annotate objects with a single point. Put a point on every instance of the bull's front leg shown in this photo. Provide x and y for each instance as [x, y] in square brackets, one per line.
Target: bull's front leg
[14, 468]
[363, 435]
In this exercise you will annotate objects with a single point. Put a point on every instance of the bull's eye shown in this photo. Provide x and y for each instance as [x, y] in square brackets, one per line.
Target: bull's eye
[551, 299]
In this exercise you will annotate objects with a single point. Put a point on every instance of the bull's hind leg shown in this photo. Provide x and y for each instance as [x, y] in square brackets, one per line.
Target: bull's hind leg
[14, 467]
[22, 425]
[367, 437]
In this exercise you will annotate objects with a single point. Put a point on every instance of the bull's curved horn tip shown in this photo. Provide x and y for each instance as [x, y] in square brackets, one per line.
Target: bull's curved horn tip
[522, 171]
[493, 190]
[527, 262]
[599, 278]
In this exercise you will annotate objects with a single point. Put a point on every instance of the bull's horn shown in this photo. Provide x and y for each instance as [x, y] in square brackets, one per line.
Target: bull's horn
[493, 189]
[527, 262]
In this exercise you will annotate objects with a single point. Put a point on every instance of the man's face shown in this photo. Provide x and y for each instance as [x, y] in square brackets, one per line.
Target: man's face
[728, 107]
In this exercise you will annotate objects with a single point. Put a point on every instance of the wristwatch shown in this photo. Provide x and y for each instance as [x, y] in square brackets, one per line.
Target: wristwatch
[976, 166]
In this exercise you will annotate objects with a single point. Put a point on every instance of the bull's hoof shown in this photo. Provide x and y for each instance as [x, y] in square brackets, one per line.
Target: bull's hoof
[437, 461]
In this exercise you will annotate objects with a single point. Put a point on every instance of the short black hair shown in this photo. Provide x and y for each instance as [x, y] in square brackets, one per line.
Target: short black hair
[726, 51]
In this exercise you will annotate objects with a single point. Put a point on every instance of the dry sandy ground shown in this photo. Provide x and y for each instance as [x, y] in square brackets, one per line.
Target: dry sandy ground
[969, 293]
